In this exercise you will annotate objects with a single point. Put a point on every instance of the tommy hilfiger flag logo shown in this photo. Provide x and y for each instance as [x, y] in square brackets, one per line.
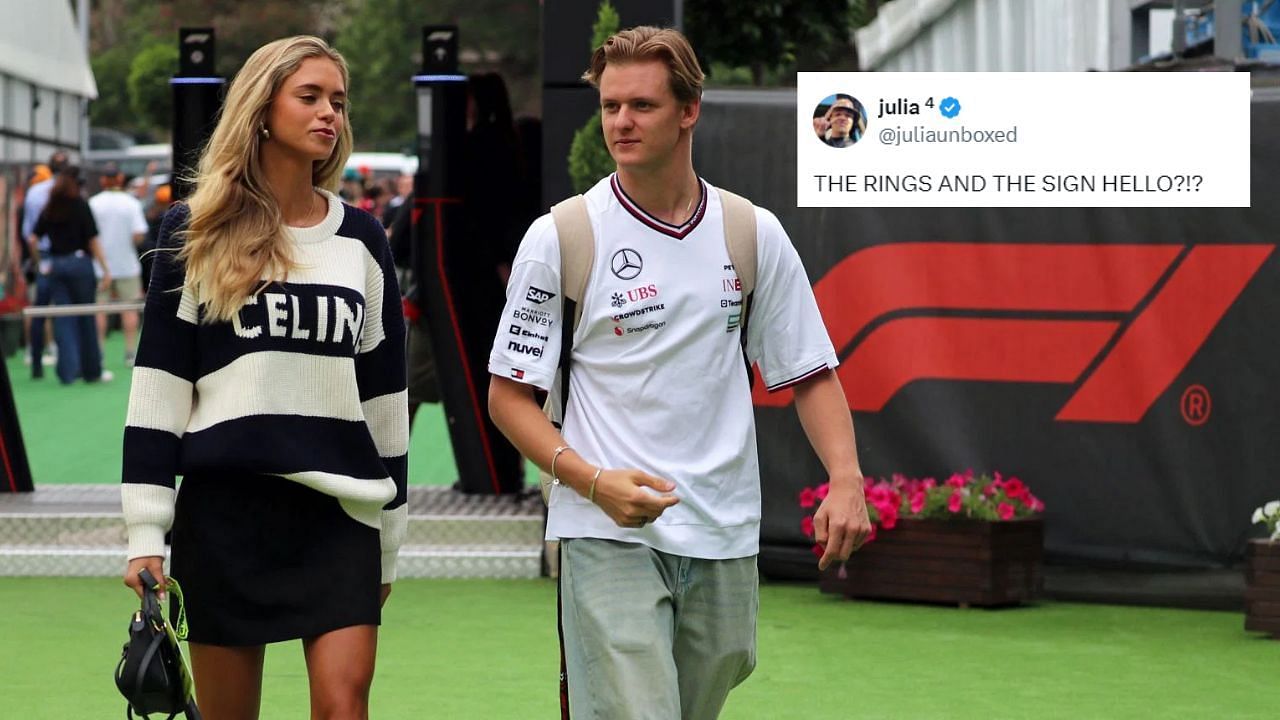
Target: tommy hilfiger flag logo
[517, 373]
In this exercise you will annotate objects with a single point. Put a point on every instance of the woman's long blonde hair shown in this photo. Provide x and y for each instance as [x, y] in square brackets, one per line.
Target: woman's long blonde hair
[235, 237]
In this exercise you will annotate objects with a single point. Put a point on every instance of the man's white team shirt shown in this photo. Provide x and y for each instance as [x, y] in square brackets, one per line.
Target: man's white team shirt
[657, 379]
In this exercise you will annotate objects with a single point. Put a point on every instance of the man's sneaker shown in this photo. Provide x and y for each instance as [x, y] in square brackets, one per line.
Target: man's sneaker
[106, 376]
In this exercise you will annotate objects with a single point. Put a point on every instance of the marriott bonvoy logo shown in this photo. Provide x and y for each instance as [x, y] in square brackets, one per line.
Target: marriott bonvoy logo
[1123, 321]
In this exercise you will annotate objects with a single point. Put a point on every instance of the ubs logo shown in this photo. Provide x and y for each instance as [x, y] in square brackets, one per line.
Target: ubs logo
[626, 264]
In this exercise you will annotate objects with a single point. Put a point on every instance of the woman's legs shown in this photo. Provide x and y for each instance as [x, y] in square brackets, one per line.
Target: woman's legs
[61, 280]
[340, 669]
[84, 292]
[228, 680]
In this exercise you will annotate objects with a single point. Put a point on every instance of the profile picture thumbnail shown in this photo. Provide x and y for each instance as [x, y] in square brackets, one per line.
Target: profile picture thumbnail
[839, 120]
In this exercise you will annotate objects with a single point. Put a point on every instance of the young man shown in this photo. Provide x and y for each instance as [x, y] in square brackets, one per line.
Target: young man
[842, 120]
[657, 504]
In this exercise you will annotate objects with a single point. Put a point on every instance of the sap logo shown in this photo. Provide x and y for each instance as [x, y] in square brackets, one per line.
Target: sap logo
[537, 295]
[643, 292]
[523, 349]
[731, 285]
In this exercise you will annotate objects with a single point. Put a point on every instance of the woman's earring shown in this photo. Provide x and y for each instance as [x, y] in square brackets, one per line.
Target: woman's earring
[263, 131]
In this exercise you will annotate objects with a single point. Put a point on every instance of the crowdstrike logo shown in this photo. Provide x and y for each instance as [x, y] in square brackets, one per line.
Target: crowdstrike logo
[626, 264]
[1119, 321]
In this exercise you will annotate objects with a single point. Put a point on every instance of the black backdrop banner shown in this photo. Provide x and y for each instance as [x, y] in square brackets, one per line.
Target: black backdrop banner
[1120, 361]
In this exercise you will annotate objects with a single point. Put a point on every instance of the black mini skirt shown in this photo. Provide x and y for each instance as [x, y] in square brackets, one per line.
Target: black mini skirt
[262, 559]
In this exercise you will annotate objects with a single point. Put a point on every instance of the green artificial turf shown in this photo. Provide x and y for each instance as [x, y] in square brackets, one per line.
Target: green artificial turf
[73, 433]
[487, 649]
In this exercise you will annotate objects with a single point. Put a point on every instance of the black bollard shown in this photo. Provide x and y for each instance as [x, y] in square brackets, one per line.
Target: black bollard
[197, 97]
[458, 292]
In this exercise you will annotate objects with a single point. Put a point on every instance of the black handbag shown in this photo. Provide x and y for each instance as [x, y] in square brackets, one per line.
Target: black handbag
[152, 673]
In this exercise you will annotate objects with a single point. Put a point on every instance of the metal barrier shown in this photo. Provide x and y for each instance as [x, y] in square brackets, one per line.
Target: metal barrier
[42, 311]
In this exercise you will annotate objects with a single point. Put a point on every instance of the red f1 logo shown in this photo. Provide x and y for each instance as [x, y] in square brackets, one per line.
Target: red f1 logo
[1125, 319]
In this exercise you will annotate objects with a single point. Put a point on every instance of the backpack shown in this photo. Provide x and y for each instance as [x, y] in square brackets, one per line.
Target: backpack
[577, 256]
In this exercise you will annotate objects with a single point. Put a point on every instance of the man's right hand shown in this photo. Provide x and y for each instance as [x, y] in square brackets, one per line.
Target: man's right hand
[153, 563]
[623, 497]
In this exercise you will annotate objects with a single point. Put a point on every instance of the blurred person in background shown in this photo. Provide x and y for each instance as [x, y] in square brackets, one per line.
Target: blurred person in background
[155, 217]
[32, 206]
[39, 174]
[121, 231]
[494, 221]
[68, 223]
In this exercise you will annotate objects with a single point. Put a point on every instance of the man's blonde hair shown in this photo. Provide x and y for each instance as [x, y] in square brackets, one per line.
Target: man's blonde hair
[651, 43]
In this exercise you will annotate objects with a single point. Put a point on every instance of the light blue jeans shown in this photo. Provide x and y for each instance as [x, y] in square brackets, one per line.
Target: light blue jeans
[653, 636]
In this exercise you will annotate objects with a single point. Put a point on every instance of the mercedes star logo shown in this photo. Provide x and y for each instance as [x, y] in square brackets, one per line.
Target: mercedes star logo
[626, 264]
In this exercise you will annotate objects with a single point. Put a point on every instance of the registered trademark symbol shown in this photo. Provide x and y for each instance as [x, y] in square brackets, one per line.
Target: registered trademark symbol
[1196, 405]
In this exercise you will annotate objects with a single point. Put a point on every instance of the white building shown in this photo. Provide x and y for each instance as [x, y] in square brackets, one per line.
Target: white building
[1021, 35]
[44, 79]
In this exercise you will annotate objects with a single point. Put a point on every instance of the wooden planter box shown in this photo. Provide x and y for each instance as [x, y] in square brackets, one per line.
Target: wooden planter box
[1262, 587]
[963, 562]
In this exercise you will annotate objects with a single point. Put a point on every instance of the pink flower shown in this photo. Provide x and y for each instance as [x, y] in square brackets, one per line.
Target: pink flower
[1014, 488]
[956, 481]
[822, 491]
[807, 498]
[917, 501]
[1033, 502]
[889, 518]
[955, 502]
[989, 490]
[929, 483]
[1005, 511]
[818, 550]
[871, 535]
[806, 524]
[996, 477]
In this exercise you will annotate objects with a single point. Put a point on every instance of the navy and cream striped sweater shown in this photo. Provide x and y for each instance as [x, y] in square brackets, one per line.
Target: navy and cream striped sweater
[307, 383]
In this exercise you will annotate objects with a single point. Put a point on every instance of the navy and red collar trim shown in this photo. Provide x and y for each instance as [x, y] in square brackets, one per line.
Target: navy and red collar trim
[676, 231]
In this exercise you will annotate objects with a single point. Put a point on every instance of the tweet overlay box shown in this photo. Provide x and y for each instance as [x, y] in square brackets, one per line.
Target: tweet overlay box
[1023, 139]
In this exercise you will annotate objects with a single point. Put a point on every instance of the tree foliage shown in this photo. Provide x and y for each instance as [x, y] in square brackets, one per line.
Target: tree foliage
[589, 158]
[150, 96]
[777, 37]
[381, 40]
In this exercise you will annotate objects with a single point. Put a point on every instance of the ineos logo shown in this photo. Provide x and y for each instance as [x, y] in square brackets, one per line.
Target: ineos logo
[626, 264]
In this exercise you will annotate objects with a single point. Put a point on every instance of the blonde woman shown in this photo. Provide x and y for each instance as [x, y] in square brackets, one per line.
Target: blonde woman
[270, 375]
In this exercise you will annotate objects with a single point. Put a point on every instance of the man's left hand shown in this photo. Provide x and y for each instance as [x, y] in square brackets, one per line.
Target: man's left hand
[841, 525]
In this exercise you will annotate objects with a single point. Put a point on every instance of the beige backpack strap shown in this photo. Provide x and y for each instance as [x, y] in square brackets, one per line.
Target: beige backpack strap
[577, 254]
[740, 240]
[577, 250]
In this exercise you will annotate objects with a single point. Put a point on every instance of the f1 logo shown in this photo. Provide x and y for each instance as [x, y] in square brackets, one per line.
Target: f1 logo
[1121, 320]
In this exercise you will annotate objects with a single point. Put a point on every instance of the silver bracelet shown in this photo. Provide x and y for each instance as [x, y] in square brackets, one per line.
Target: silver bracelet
[556, 456]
